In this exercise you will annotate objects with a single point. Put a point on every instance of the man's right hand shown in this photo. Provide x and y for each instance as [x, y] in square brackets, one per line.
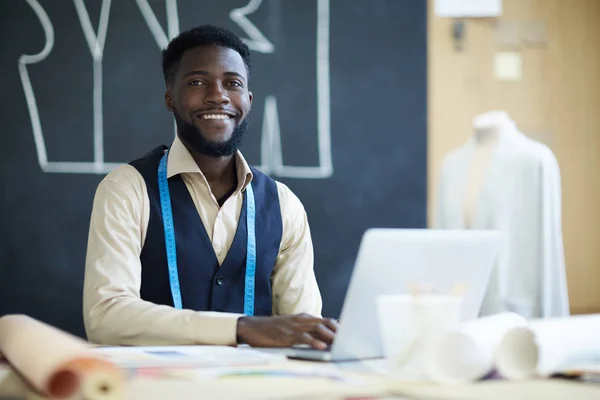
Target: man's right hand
[286, 331]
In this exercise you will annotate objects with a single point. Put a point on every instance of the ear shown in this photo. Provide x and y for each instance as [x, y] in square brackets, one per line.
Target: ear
[250, 96]
[169, 100]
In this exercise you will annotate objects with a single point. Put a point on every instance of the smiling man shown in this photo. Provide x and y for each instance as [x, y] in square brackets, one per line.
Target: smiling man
[189, 244]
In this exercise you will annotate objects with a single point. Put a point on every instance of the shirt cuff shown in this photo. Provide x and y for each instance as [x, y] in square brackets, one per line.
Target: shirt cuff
[217, 328]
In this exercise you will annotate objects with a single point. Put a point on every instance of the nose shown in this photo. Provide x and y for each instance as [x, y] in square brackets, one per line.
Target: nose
[216, 95]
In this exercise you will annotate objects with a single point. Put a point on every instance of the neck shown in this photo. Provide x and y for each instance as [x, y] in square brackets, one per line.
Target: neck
[217, 170]
[488, 135]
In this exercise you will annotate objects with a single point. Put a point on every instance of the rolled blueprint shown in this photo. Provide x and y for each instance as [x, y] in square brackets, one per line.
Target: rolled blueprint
[547, 346]
[466, 353]
[55, 363]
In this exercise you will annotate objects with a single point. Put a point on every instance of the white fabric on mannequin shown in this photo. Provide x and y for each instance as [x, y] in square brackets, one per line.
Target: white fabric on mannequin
[500, 179]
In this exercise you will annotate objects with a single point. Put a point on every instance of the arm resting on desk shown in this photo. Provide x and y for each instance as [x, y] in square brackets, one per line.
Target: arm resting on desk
[113, 311]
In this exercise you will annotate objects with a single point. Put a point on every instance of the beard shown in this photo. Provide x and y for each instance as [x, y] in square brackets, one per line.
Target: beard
[192, 136]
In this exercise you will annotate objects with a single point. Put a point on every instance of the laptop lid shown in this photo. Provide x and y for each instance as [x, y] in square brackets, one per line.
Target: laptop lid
[393, 261]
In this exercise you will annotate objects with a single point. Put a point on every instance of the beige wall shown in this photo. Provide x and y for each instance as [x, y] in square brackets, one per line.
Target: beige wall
[557, 101]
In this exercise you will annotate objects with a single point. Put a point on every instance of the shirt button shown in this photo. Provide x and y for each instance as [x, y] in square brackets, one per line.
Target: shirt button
[219, 280]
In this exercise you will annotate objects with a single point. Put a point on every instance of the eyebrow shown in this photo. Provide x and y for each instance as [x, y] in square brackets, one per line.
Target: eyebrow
[204, 73]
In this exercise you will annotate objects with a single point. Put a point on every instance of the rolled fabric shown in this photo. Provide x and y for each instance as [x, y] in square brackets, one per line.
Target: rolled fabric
[55, 363]
[548, 346]
[466, 353]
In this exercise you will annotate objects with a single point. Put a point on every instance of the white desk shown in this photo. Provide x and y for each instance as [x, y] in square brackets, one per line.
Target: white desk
[365, 378]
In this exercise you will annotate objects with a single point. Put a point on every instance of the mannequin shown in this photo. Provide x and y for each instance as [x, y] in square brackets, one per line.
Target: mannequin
[487, 132]
[504, 181]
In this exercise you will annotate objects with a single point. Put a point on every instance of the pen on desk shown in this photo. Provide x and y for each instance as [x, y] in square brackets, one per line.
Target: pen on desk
[578, 376]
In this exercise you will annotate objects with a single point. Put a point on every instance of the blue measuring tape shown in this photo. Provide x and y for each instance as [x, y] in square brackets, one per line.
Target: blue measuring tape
[167, 216]
[250, 253]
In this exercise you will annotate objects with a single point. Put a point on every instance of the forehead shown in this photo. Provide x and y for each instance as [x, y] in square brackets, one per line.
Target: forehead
[212, 59]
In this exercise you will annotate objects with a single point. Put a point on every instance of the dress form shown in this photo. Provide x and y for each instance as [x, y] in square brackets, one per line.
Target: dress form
[504, 181]
[488, 129]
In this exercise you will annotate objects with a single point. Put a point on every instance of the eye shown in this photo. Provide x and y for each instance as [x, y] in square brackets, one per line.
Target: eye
[236, 84]
[195, 82]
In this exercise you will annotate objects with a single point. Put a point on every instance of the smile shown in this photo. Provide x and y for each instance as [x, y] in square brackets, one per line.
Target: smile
[215, 116]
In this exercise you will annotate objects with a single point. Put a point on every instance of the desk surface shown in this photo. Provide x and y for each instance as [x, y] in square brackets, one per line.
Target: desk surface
[369, 378]
[375, 379]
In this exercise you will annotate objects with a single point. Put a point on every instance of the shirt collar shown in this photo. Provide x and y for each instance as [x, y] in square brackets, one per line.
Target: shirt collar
[180, 161]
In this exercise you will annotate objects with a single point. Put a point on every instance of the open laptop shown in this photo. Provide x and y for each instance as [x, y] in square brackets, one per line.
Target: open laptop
[393, 261]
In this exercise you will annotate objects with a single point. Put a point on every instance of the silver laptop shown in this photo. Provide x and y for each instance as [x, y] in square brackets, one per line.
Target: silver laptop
[394, 261]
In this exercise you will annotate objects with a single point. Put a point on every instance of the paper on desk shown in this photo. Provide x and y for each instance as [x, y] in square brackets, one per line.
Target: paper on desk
[285, 380]
[140, 357]
[548, 346]
[466, 353]
[55, 363]
[309, 374]
[11, 385]
[547, 389]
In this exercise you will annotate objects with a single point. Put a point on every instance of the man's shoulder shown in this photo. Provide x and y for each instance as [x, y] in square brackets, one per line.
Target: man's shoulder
[289, 202]
[129, 174]
[293, 216]
[149, 160]
[124, 177]
[122, 187]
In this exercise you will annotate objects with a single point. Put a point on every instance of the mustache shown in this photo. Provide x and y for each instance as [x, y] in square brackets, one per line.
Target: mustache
[196, 140]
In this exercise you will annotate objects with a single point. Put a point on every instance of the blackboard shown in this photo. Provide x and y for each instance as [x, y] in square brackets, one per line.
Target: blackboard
[339, 116]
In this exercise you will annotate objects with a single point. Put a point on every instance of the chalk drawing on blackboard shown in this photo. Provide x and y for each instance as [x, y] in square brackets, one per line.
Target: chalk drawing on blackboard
[172, 21]
[96, 44]
[256, 40]
[271, 151]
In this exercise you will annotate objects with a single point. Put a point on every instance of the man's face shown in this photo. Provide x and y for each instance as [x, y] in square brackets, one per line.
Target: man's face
[210, 100]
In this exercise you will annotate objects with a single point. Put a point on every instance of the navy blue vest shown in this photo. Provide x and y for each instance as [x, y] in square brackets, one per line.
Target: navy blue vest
[204, 285]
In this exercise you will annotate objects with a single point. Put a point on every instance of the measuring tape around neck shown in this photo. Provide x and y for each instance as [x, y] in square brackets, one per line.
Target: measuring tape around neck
[167, 217]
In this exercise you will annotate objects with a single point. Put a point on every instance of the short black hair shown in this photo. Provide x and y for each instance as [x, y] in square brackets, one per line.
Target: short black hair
[203, 35]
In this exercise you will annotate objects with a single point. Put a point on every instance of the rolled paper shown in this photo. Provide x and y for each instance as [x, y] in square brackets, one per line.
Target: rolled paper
[548, 346]
[55, 363]
[466, 353]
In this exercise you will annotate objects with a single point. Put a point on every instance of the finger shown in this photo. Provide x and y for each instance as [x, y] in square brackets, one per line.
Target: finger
[307, 338]
[306, 319]
[323, 333]
[311, 324]
[309, 320]
[332, 324]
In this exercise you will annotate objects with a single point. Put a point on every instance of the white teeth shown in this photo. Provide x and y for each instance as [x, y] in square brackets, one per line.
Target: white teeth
[215, 116]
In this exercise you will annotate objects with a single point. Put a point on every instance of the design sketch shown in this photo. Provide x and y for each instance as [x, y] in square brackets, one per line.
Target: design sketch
[272, 160]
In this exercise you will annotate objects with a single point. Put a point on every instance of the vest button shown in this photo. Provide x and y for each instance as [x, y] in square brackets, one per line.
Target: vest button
[219, 280]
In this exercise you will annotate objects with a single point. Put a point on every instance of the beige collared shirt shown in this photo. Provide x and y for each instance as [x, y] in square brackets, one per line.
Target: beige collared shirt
[113, 311]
